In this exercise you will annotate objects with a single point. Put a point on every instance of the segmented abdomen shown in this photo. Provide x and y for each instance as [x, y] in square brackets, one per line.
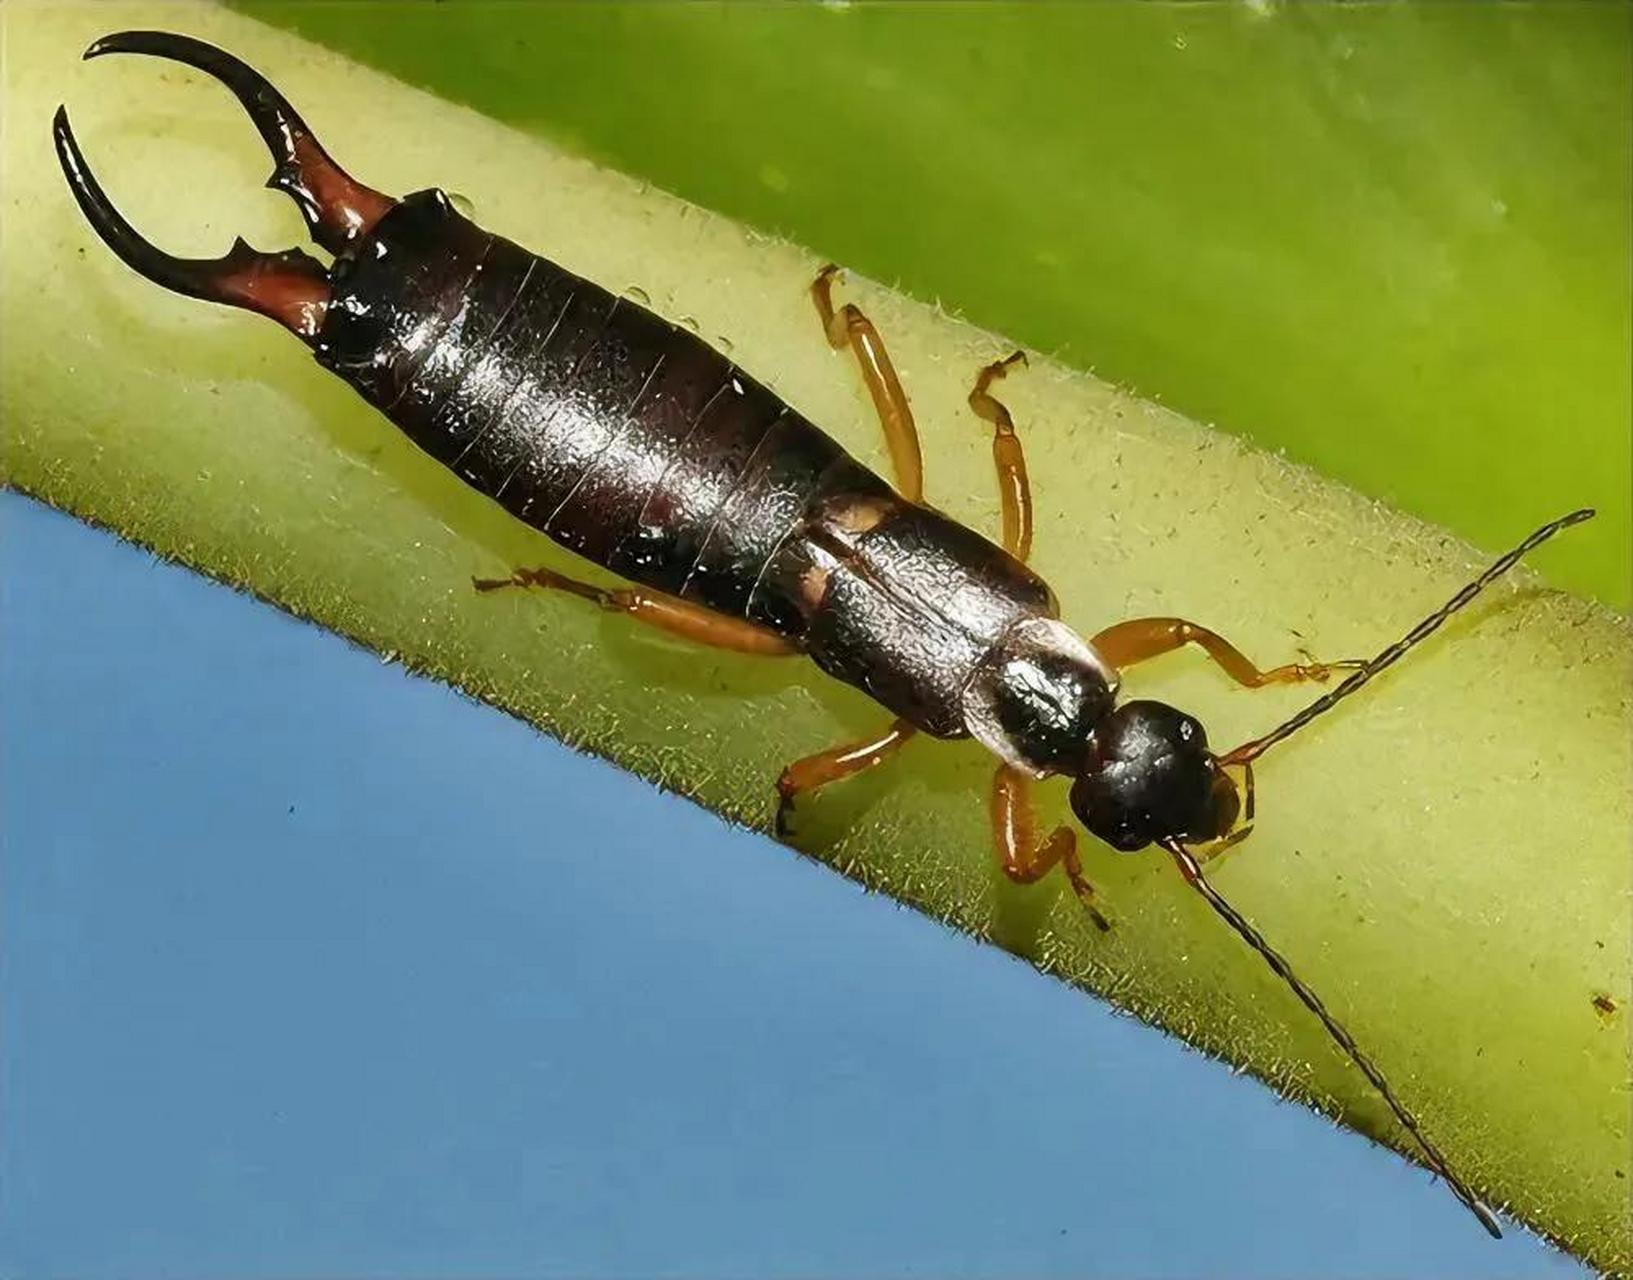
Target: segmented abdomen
[637, 445]
[623, 437]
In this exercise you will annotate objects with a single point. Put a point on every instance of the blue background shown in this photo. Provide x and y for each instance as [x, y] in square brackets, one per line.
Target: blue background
[312, 968]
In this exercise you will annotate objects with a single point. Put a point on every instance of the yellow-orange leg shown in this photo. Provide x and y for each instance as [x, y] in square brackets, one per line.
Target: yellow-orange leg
[849, 327]
[835, 764]
[1026, 859]
[1141, 638]
[665, 612]
[1014, 489]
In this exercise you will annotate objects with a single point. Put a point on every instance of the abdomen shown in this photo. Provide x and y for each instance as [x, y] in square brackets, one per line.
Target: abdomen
[638, 446]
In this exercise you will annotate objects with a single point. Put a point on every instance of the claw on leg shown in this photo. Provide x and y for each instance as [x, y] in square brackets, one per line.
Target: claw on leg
[834, 765]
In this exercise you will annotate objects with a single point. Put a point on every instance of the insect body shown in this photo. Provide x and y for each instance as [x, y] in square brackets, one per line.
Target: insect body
[633, 443]
[638, 446]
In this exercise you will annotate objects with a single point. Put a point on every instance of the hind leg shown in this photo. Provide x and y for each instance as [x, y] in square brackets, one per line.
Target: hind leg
[689, 621]
[849, 327]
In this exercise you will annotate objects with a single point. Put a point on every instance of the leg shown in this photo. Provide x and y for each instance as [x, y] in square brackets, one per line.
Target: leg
[688, 621]
[1014, 490]
[1024, 859]
[850, 326]
[1140, 638]
[835, 764]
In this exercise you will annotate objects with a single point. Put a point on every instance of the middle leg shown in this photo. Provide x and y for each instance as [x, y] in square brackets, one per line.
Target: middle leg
[1014, 489]
[834, 765]
[848, 326]
[1141, 638]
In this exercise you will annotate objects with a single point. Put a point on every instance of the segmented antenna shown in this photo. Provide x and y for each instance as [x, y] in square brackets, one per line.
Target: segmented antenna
[1251, 750]
[1192, 871]
[1255, 748]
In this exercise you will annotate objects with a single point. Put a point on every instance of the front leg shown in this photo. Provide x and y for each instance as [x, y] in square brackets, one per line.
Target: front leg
[1142, 638]
[1026, 859]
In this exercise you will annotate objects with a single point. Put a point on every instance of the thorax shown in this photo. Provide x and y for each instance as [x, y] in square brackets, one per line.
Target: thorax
[940, 626]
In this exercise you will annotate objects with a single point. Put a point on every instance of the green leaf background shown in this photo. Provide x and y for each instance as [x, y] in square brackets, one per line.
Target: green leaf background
[1391, 240]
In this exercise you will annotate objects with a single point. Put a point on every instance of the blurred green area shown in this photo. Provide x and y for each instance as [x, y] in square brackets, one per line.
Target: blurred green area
[1390, 240]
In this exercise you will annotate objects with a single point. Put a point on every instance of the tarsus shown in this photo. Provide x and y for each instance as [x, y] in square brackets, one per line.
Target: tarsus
[1255, 748]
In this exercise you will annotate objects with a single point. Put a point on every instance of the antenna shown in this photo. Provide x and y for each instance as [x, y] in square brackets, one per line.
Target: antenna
[1192, 872]
[1256, 747]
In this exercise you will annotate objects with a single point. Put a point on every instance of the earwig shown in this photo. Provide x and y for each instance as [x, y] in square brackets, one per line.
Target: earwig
[742, 525]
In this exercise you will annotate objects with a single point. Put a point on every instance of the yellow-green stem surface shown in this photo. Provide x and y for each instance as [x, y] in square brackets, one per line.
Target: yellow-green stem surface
[1446, 860]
